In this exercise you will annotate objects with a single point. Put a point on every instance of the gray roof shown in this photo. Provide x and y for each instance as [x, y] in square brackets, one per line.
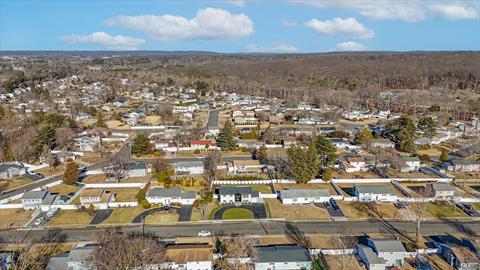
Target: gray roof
[370, 255]
[301, 193]
[374, 189]
[442, 187]
[193, 163]
[235, 190]
[80, 254]
[136, 165]
[6, 166]
[387, 245]
[34, 195]
[172, 192]
[283, 254]
[58, 262]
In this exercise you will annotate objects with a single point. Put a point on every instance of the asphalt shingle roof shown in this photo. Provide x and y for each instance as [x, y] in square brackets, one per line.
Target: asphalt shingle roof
[374, 190]
[283, 254]
[301, 193]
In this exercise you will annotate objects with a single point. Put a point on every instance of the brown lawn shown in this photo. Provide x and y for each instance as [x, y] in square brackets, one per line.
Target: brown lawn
[70, 218]
[295, 212]
[123, 215]
[14, 218]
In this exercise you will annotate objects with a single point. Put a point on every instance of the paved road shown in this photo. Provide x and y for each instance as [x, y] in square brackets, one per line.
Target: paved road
[258, 210]
[260, 228]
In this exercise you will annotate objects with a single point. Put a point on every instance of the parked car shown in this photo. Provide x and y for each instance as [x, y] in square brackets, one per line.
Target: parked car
[38, 221]
[327, 204]
[52, 212]
[334, 204]
[204, 233]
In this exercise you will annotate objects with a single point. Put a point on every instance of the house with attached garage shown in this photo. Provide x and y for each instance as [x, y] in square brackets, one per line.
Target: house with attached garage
[374, 193]
[98, 197]
[238, 195]
[194, 167]
[37, 200]
[461, 165]
[380, 254]
[441, 191]
[188, 257]
[354, 164]
[460, 257]
[412, 164]
[12, 170]
[245, 167]
[304, 196]
[136, 169]
[288, 257]
[79, 258]
[165, 196]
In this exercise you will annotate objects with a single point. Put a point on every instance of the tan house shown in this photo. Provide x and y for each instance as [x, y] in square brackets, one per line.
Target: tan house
[98, 197]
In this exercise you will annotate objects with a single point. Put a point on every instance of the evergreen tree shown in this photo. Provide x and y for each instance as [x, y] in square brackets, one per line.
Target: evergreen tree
[100, 120]
[444, 156]
[226, 138]
[304, 162]
[427, 126]
[141, 144]
[45, 137]
[326, 150]
[70, 176]
[363, 136]
[403, 132]
[140, 195]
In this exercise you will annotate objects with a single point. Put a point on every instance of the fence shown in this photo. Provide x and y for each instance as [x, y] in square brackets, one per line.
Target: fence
[253, 182]
[122, 204]
[362, 180]
[11, 206]
[115, 185]
[401, 188]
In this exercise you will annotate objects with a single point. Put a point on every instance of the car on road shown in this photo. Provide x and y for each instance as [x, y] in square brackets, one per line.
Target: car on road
[204, 233]
[38, 221]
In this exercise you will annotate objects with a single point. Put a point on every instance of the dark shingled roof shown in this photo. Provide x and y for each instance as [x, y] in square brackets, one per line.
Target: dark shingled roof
[283, 254]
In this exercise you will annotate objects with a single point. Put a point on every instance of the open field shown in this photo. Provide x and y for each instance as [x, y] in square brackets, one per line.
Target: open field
[70, 218]
[295, 212]
[11, 218]
[123, 215]
[237, 213]
[161, 218]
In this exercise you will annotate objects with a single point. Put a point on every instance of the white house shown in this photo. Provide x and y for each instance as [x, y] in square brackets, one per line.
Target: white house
[98, 197]
[245, 167]
[238, 195]
[37, 199]
[304, 196]
[286, 257]
[380, 143]
[11, 170]
[382, 253]
[189, 167]
[164, 196]
[354, 164]
[441, 191]
[78, 258]
[188, 257]
[412, 164]
[374, 193]
[202, 145]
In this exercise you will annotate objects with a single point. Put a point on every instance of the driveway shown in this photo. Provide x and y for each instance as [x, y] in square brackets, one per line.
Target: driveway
[258, 210]
[100, 216]
[185, 213]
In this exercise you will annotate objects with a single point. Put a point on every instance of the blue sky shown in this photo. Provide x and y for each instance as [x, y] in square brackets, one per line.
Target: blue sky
[241, 25]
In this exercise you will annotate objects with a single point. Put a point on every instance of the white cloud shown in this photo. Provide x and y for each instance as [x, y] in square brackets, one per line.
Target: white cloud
[348, 27]
[209, 23]
[410, 11]
[288, 23]
[238, 3]
[110, 42]
[455, 11]
[283, 47]
[350, 46]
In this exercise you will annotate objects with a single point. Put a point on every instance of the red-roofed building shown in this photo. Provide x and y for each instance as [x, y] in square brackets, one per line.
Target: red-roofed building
[202, 144]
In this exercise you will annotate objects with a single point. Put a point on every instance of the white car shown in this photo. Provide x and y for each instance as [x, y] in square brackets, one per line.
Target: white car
[39, 221]
[52, 212]
[204, 233]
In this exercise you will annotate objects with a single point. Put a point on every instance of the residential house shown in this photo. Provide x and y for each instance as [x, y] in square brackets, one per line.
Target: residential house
[461, 165]
[380, 143]
[441, 191]
[382, 253]
[245, 167]
[64, 156]
[80, 258]
[188, 257]
[164, 196]
[372, 193]
[37, 199]
[238, 195]
[194, 167]
[12, 170]
[460, 257]
[412, 164]
[98, 197]
[165, 145]
[86, 144]
[288, 257]
[136, 169]
[304, 196]
[354, 164]
[202, 145]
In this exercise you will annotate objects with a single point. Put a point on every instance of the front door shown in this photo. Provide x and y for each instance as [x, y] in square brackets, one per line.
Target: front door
[238, 197]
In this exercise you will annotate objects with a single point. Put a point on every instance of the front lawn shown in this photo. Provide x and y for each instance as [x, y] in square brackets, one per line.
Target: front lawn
[161, 218]
[13, 183]
[444, 210]
[70, 218]
[295, 212]
[13, 218]
[209, 207]
[237, 213]
[123, 215]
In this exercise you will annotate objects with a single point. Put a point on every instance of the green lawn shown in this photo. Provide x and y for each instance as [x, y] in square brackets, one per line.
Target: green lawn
[476, 206]
[238, 213]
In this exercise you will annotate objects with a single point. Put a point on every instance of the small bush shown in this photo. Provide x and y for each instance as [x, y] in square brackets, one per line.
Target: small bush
[146, 204]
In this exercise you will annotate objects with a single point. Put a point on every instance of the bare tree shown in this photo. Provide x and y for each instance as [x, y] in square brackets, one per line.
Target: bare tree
[418, 207]
[210, 165]
[119, 251]
[116, 168]
[64, 136]
[344, 243]
[35, 254]
[234, 249]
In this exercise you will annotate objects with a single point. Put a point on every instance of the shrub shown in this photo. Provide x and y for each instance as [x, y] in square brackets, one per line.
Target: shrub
[146, 204]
